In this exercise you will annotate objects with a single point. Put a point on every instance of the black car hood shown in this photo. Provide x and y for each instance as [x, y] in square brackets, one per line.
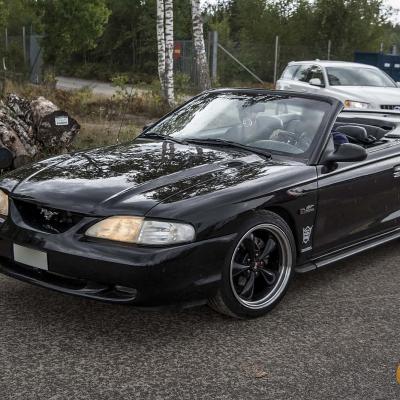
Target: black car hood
[130, 178]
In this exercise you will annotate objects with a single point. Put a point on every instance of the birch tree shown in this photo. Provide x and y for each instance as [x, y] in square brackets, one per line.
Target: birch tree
[165, 44]
[169, 52]
[161, 43]
[199, 46]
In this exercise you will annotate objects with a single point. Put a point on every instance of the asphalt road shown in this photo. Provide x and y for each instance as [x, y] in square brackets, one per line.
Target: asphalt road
[336, 335]
[98, 88]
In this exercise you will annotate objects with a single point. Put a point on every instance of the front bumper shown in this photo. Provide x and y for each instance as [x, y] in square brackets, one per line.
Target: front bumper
[113, 272]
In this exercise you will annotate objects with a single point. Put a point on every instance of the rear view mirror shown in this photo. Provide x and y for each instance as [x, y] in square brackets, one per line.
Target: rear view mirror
[316, 82]
[346, 152]
[6, 158]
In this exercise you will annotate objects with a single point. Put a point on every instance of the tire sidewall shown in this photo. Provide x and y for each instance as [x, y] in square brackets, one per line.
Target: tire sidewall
[226, 292]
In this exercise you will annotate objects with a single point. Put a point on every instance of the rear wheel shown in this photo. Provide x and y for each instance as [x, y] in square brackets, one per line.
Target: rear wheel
[259, 268]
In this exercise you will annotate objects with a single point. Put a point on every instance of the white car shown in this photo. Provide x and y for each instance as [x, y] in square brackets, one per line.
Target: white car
[356, 85]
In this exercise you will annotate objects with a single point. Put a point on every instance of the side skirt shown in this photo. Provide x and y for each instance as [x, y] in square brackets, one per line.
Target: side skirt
[348, 251]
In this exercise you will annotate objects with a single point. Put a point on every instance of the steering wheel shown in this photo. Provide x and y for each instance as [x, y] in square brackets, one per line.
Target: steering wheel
[287, 137]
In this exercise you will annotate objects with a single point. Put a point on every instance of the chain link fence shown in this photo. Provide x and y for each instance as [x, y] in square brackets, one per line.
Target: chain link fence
[20, 56]
[235, 64]
[258, 60]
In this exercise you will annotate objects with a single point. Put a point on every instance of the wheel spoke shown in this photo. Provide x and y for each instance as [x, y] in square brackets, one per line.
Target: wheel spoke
[248, 289]
[270, 246]
[238, 268]
[250, 247]
[268, 275]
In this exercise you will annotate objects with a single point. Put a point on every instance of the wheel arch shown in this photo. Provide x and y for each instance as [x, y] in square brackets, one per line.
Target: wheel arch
[288, 218]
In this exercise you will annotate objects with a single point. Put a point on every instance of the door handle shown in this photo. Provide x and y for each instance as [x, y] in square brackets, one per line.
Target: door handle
[396, 171]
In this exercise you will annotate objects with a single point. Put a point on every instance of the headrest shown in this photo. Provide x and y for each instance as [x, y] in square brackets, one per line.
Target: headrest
[358, 133]
[264, 121]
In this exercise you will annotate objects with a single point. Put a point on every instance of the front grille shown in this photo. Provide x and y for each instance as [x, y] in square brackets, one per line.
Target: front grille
[46, 219]
[390, 107]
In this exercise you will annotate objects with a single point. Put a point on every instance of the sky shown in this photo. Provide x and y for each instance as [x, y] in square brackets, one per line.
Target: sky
[396, 5]
[393, 3]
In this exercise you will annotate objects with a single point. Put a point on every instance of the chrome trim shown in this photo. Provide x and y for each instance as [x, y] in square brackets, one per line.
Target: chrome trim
[284, 268]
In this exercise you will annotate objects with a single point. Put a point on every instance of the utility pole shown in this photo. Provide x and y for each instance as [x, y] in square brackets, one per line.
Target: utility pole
[24, 42]
[6, 38]
[276, 59]
[329, 49]
[214, 69]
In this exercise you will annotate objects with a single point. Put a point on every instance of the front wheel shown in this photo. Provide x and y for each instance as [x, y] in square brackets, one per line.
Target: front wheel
[259, 268]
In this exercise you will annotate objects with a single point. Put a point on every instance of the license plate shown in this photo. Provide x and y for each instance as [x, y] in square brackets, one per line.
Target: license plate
[31, 257]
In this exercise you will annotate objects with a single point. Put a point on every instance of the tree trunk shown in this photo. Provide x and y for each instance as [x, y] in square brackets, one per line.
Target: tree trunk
[161, 44]
[199, 46]
[31, 129]
[169, 50]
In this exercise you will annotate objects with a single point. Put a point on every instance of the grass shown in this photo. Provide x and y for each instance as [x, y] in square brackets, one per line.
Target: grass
[97, 134]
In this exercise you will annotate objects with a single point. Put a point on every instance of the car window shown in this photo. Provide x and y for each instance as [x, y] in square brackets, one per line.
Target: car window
[289, 72]
[316, 73]
[279, 123]
[358, 76]
[303, 73]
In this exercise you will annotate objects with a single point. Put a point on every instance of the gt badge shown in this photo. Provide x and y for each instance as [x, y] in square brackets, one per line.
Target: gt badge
[307, 234]
[306, 210]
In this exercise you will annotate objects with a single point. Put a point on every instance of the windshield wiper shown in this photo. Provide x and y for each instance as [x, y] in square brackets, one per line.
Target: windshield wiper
[157, 135]
[228, 143]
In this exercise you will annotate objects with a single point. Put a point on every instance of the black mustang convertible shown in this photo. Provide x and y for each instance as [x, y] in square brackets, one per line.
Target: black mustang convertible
[220, 201]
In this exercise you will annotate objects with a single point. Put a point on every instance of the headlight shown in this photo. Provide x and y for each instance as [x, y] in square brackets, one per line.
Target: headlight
[356, 104]
[137, 230]
[3, 204]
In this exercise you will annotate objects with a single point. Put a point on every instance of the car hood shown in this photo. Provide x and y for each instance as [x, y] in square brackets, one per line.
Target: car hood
[369, 94]
[130, 178]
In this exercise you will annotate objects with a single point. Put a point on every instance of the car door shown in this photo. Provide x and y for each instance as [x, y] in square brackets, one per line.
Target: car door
[286, 80]
[358, 200]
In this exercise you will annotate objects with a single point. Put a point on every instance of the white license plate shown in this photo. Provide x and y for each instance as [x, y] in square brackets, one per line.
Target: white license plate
[31, 257]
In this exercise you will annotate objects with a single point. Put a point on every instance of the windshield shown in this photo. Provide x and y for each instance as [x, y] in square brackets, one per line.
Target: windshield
[279, 124]
[358, 76]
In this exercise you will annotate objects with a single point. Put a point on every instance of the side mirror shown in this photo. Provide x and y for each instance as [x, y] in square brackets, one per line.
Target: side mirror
[346, 152]
[6, 158]
[316, 82]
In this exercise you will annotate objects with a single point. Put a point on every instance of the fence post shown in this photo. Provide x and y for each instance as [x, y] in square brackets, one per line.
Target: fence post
[329, 49]
[214, 69]
[6, 38]
[276, 59]
[24, 42]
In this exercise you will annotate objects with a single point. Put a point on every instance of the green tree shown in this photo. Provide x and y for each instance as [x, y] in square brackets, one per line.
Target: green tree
[72, 26]
[3, 14]
[349, 24]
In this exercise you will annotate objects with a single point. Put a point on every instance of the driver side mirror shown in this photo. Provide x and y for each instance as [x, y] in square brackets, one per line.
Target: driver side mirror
[346, 152]
[316, 82]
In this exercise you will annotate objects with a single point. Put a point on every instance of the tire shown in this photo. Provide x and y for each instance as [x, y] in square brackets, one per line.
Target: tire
[258, 268]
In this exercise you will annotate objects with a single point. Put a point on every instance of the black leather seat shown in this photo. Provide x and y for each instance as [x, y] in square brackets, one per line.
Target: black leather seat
[355, 134]
[266, 125]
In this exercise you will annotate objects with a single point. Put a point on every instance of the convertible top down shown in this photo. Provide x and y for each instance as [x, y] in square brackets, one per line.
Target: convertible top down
[220, 202]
